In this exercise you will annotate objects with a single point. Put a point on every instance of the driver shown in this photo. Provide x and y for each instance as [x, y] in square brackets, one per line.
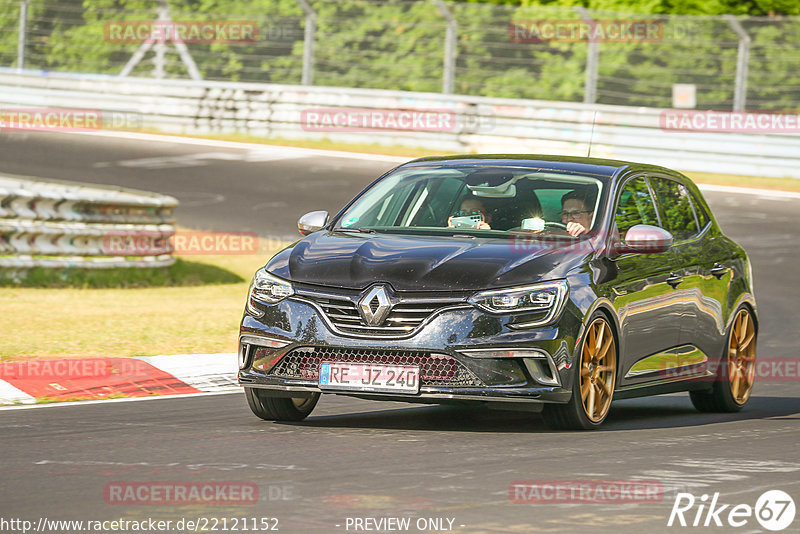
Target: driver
[576, 212]
[474, 205]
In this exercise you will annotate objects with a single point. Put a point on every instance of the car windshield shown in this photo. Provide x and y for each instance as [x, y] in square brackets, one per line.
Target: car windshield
[485, 201]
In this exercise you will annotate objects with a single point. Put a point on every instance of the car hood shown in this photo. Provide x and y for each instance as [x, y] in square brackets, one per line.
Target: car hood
[424, 263]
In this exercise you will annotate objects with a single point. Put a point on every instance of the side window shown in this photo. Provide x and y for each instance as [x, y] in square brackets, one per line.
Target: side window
[676, 208]
[635, 206]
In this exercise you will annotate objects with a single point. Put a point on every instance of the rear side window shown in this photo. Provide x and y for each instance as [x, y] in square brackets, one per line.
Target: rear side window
[677, 212]
[635, 206]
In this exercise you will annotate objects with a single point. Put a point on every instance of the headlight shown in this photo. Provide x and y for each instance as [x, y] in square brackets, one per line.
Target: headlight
[268, 288]
[548, 296]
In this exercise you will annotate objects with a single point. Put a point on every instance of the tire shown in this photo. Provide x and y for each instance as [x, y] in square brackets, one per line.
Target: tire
[271, 408]
[594, 381]
[736, 370]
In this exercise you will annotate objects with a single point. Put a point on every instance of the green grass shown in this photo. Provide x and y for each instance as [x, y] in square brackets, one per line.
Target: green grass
[198, 313]
[780, 184]
[50, 400]
[181, 273]
[322, 144]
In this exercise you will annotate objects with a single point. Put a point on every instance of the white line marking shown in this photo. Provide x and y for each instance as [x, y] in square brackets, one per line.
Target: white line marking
[10, 394]
[127, 399]
[297, 151]
[769, 193]
[206, 372]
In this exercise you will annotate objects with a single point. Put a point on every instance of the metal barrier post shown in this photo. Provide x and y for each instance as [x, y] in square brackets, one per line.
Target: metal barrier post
[160, 61]
[450, 40]
[308, 42]
[23, 30]
[592, 59]
[742, 64]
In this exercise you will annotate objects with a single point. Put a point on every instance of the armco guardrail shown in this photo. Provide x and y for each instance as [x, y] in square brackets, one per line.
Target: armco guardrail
[479, 124]
[54, 224]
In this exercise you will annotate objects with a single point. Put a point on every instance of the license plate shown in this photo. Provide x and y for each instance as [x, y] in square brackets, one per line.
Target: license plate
[369, 377]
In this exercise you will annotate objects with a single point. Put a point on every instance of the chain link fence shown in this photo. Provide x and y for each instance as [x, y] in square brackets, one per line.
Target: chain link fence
[546, 53]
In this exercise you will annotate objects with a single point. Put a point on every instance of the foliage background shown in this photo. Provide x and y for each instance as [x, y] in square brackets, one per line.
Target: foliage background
[400, 45]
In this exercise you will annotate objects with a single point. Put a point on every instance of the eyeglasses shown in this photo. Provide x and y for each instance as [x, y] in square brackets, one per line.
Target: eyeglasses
[572, 214]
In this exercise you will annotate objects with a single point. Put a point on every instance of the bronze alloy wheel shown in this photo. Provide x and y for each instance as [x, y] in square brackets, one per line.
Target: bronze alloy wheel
[736, 372]
[598, 370]
[742, 356]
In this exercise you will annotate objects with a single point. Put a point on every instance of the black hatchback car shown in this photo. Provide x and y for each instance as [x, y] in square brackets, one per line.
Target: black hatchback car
[539, 282]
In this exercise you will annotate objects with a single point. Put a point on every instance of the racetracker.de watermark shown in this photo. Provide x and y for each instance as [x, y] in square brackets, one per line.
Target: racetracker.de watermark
[732, 122]
[532, 242]
[763, 369]
[182, 243]
[573, 31]
[585, 491]
[182, 31]
[75, 369]
[380, 119]
[181, 493]
[66, 120]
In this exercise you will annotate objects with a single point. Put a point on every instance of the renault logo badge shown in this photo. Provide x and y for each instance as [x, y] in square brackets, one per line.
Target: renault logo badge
[375, 306]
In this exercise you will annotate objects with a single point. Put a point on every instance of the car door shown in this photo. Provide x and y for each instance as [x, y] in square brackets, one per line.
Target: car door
[650, 315]
[702, 262]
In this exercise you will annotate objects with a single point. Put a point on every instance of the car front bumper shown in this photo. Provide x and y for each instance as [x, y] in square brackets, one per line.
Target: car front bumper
[293, 329]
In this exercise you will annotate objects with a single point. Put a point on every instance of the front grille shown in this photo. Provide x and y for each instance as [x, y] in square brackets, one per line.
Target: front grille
[404, 318]
[435, 369]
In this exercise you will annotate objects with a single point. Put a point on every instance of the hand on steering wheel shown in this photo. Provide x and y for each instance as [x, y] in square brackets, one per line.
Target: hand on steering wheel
[575, 229]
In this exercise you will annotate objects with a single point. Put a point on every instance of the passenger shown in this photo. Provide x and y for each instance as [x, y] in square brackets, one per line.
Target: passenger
[470, 205]
[577, 212]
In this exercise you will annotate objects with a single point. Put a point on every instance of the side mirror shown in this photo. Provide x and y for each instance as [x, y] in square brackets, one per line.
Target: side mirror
[645, 239]
[312, 221]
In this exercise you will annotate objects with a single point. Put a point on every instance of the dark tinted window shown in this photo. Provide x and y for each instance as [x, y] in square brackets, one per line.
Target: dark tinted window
[676, 208]
[507, 198]
[635, 206]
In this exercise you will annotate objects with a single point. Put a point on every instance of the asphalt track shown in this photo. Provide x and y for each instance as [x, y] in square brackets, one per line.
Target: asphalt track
[359, 459]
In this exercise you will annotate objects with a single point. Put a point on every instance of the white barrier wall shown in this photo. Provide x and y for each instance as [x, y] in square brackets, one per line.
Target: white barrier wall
[46, 223]
[488, 125]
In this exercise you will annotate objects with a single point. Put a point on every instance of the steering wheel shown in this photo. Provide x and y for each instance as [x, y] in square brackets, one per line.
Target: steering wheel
[556, 224]
[434, 218]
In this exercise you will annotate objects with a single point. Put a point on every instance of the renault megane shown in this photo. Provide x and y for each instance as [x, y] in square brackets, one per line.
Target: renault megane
[550, 283]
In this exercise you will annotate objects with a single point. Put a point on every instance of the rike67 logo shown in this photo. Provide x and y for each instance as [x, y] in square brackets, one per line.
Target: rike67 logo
[774, 510]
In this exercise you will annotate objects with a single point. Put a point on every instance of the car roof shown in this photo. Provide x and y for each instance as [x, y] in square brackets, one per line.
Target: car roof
[596, 166]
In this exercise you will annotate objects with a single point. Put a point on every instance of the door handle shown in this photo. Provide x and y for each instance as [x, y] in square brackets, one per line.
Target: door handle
[719, 270]
[674, 280]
